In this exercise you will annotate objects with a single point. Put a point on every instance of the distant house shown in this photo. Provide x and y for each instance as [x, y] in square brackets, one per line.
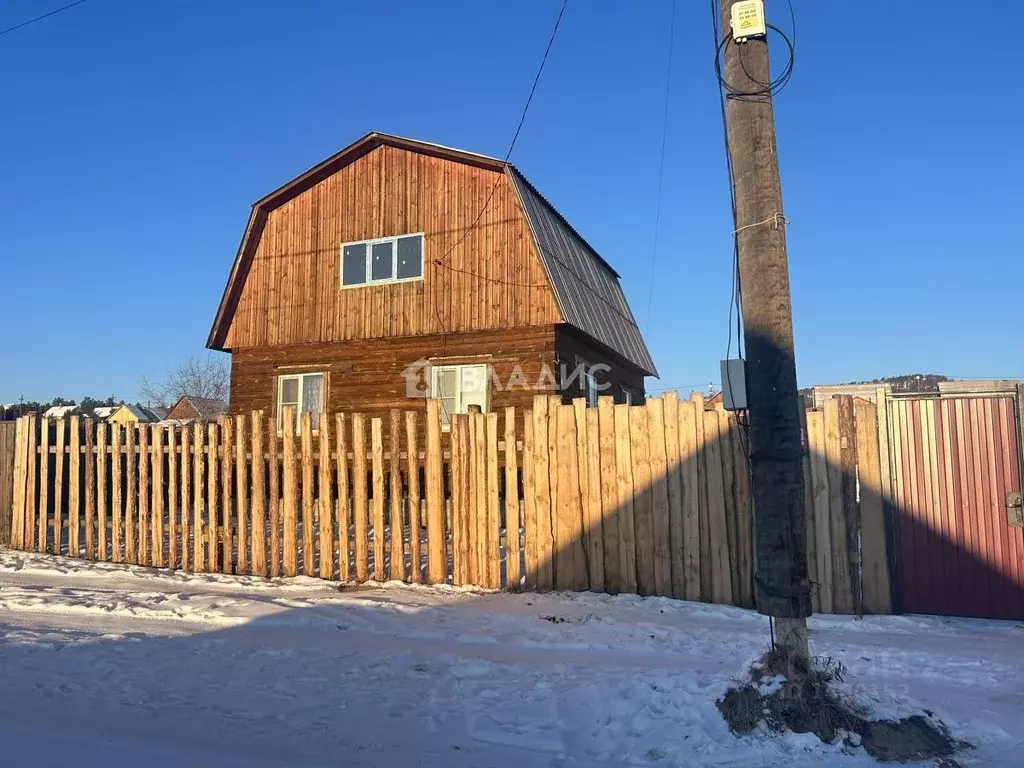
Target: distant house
[104, 412]
[132, 414]
[190, 408]
[61, 411]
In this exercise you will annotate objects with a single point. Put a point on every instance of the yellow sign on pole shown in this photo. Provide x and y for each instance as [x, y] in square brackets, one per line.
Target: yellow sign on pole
[747, 19]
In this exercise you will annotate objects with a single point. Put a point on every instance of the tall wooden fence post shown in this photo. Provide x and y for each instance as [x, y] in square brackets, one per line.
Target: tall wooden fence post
[413, 471]
[341, 441]
[325, 510]
[243, 511]
[44, 485]
[58, 486]
[397, 550]
[437, 565]
[259, 521]
[512, 557]
[377, 471]
[17, 537]
[291, 553]
[360, 524]
[31, 489]
[308, 501]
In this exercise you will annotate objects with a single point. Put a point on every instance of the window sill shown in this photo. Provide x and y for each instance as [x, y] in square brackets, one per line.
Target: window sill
[377, 283]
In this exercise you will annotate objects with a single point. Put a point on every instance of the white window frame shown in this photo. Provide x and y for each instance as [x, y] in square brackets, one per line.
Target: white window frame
[435, 374]
[628, 396]
[393, 239]
[590, 390]
[281, 377]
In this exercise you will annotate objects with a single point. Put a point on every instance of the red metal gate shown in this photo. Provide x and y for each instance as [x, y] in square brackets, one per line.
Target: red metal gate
[954, 465]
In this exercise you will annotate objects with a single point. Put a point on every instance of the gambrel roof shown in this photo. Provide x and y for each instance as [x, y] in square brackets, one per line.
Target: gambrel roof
[585, 286]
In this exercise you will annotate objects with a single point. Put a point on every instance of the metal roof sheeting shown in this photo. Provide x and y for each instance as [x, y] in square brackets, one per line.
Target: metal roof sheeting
[585, 285]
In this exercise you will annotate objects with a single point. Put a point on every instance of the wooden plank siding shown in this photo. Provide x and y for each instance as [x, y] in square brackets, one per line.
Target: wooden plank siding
[291, 294]
[366, 376]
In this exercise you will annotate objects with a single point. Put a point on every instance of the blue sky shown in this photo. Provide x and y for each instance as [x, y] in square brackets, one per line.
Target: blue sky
[136, 136]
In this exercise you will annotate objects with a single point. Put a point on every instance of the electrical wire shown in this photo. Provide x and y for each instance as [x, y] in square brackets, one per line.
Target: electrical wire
[515, 138]
[678, 386]
[40, 18]
[661, 162]
[735, 303]
[765, 90]
[441, 262]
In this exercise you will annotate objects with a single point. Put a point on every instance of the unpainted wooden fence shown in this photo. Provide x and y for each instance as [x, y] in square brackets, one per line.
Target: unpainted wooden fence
[652, 499]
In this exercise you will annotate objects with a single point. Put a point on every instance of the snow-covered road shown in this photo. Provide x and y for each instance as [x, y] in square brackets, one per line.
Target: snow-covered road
[108, 665]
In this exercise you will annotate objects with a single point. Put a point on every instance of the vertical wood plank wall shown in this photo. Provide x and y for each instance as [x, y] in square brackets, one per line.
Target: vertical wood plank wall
[652, 499]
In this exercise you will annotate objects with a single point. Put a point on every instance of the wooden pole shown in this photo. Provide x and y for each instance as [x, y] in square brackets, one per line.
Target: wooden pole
[782, 584]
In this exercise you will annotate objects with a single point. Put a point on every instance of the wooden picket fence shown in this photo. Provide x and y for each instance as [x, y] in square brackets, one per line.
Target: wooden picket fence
[846, 468]
[652, 499]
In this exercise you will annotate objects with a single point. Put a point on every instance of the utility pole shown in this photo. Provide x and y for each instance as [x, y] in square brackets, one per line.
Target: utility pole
[777, 478]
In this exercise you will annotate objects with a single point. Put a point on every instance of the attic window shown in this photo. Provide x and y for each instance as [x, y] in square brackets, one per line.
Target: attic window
[383, 260]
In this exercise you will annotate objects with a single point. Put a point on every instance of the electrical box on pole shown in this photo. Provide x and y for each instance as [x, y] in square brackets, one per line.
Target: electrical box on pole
[734, 385]
[747, 20]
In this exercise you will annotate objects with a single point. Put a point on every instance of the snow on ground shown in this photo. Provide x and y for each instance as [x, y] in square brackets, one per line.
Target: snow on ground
[119, 665]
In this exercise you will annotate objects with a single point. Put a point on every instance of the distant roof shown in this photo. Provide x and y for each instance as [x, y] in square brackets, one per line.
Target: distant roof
[104, 411]
[206, 407]
[141, 413]
[60, 411]
[159, 411]
[585, 285]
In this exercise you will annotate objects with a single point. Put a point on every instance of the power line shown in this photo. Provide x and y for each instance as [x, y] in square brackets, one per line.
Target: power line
[515, 137]
[700, 384]
[40, 18]
[661, 162]
[734, 298]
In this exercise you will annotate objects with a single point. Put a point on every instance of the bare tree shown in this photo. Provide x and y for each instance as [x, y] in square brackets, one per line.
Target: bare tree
[196, 377]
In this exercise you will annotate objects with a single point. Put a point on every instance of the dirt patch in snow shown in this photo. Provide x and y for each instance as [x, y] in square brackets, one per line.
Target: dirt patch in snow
[805, 703]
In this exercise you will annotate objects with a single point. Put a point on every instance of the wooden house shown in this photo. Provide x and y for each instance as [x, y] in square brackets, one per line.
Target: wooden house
[192, 408]
[396, 269]
[127, 413]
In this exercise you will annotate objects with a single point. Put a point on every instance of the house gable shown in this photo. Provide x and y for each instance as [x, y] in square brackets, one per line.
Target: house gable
[477, 274]
[496, 255]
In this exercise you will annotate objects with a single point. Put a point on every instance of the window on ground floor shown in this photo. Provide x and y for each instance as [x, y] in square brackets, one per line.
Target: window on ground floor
[458, 387]
[302, 391]
[590, 389]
